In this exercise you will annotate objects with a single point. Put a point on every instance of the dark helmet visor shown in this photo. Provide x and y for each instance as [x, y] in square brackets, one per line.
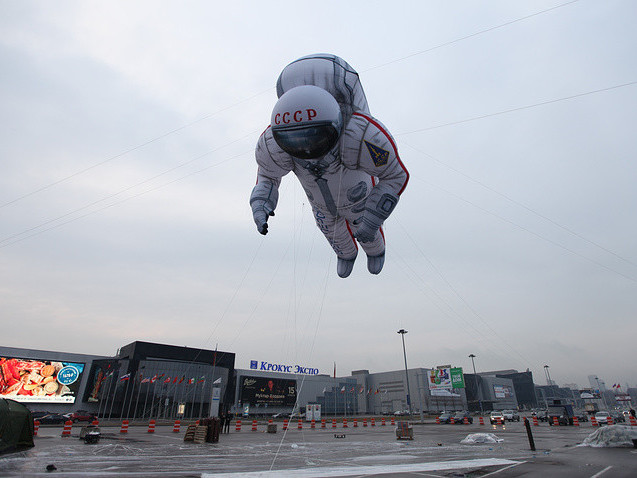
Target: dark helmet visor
[306, 142]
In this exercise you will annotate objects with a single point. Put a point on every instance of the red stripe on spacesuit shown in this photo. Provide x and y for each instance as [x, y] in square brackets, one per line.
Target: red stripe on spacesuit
[351, 234]
[382, 130]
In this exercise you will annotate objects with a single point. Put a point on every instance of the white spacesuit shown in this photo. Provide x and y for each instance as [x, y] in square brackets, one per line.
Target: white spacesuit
[345, 159]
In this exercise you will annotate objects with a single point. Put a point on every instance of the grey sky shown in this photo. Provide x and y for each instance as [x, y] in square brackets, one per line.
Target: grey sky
[127, 139]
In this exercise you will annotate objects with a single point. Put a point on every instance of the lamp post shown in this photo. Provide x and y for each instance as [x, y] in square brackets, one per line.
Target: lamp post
[402, 333]
[601, 392]
[472, 356]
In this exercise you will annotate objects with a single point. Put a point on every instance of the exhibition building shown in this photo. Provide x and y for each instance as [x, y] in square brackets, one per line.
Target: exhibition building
[143, 380]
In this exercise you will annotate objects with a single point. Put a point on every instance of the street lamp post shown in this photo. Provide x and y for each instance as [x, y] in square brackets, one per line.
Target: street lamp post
[472, 356]
[402, 333]
[548, 375]
[599, 388]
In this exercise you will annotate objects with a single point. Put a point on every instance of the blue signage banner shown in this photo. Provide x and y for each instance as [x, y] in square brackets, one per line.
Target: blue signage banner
[276, 367]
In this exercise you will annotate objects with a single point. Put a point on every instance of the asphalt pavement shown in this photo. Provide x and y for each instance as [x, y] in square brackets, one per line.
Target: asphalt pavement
[435, 451]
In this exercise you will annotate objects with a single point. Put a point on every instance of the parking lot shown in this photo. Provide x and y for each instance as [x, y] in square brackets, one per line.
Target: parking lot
[363, 451]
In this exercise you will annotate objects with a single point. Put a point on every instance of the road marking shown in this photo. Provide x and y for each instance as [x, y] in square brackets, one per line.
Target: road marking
[601, 472]
[368, 470]
[502, 469]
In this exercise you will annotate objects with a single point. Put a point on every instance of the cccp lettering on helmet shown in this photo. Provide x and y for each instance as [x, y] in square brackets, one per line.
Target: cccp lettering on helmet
[298, 116]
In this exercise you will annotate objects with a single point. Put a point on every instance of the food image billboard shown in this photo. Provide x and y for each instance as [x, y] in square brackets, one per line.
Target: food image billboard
[39, 381]
[446, 378]
[275, 392]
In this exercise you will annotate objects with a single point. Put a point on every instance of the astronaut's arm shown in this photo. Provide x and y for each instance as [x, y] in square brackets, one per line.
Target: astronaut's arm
[263, 200]
[379, 157]
[265, 195]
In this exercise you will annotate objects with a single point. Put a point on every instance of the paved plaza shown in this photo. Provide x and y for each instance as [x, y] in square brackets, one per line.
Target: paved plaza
[360, 452]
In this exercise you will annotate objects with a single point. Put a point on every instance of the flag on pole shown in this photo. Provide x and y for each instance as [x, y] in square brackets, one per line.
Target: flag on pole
[218, 381]
[342, 389]
[182, 379]
[334, 369]
[191, 381]
[324, 388]
[352, 390]
[123, 378]
[167, 380]
[202, 379]
[175, 379]
[152, 380]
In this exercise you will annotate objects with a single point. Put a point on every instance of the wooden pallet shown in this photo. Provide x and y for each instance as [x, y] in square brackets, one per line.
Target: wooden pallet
[200, 434]
[190, 433]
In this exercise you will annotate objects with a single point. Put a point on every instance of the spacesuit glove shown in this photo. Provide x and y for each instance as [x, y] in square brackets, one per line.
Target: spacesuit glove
[261, 213]
[367, 230]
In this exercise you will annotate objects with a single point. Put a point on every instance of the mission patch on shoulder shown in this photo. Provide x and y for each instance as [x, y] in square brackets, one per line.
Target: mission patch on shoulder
[378, 155]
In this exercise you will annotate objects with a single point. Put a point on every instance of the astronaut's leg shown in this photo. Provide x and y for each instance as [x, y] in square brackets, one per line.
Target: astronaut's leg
[338, 233]
[375, 249]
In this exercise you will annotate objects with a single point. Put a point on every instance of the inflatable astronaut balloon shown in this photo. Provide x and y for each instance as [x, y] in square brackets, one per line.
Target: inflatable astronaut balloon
[345, 159]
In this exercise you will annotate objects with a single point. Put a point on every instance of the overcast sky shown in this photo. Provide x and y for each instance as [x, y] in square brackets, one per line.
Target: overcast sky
[127, 153]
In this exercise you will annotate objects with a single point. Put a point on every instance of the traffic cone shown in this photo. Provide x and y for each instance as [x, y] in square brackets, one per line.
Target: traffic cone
[535, 422]
[556, 422]
[437, 420]
[300, 427]
[322, 422]
[498, 420]
[66, 431]
[393, 422]
[453, 421]
[124, 428]
[364, 422]
[313, 424]
[237, 426]
[594, 421]
[176, 426]
[481, 420]
[254, 425]
[610, 421]
[382, 421]
[151, 426]
[285, 424]
[344, 422]
[633, 421]
[333, 422]
[36, 427]
[373, 422]
[355, 423]
[95, 423]
[465, 420]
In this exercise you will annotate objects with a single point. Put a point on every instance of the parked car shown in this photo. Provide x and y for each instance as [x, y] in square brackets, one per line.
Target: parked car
[52, 419]
[511, 415]
[37, 415]
[541, 415]
[602, 417]
[81, 416]
[495, 415]
[459, 417]
[445, 417]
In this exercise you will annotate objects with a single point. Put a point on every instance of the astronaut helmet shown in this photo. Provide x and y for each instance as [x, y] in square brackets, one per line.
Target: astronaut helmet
[306, 122]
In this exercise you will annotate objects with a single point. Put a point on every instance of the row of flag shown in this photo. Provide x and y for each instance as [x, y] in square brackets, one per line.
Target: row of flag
[616, 385]
[176, 380]
[360, 390]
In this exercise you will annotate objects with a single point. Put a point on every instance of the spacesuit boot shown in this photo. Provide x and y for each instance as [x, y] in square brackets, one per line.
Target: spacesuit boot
[344, 267]
[375, 263]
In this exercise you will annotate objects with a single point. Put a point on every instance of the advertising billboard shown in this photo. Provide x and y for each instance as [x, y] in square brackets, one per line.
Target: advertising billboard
[446, 378]
[100, 380]
[502, 391]
[274, 392]
[39, 381]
